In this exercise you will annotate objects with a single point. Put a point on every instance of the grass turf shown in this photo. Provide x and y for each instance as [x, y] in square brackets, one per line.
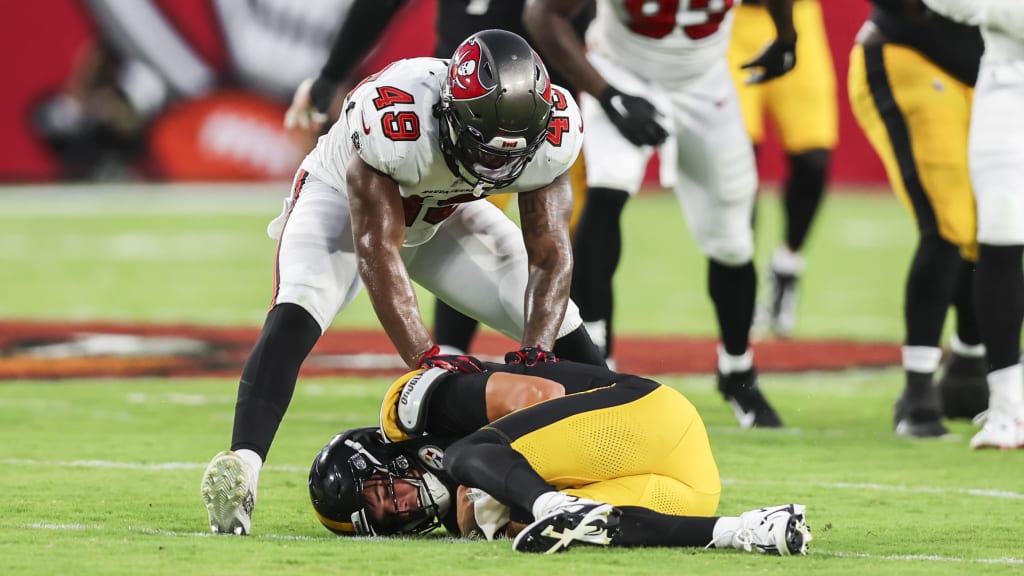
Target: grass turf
[101, 476]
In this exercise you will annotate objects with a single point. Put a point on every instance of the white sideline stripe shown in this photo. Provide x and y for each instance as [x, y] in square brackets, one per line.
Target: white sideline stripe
[918, 557]
[156, 466]
[294, 537]
[163, 466]
[981, 492]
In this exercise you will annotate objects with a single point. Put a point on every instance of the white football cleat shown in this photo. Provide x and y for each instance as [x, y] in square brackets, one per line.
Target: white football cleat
[777, 530]
[1003, 428]
[229, 492]
[572, 521]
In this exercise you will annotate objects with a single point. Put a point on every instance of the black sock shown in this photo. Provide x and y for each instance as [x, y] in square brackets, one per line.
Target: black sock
[999, 297]
[578, 347]
[597, 246]
[929, 289]
[732, 290]
[453, 328]
[269, 376]
[645, 527]
[804, 191]
[963, 301]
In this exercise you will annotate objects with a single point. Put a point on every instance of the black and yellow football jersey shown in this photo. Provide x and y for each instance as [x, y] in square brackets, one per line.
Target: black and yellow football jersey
[615, 438]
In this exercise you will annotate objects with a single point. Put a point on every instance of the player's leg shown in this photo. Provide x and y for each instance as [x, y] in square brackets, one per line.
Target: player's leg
[453, 330]
[614, 171]
[894, 100]
[477, 263]
[803, 106]
[997, 170]
[716, 185]
[315, 276]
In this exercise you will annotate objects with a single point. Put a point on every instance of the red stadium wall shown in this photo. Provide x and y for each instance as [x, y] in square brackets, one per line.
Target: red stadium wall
[42, 38]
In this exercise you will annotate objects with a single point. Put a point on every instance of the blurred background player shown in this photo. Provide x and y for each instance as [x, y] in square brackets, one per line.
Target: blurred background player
[996, 154]
[911, 81]
[456, 20]
[655, 76]
[149, 98]
[802, 106]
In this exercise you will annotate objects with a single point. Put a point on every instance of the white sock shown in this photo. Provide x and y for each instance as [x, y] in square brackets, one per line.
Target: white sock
[545, 503]
[1006, 386]
[447, 350]
[967, 350]
[253, 460]
[729, 364]
[921, 358]
[724, 530]
[785, 261]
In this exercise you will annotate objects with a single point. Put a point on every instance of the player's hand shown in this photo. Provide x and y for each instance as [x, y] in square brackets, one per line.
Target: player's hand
[303, 114]
[775, 59]
[530, 356]
[450, 362]
[635, 117]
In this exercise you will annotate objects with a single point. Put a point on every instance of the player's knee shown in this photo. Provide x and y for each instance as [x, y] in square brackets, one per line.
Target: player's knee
[464, 457]
[728, 251]
[312, 300]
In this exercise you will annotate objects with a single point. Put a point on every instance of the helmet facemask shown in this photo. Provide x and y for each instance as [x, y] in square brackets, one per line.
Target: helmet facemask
[397, 497]
[494, 110]
[361, 485]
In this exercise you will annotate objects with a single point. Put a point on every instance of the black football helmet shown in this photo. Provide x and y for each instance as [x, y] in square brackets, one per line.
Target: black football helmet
[360, 485]
[495, 107]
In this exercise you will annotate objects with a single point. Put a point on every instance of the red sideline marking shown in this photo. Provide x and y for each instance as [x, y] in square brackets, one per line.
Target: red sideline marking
[27, 351]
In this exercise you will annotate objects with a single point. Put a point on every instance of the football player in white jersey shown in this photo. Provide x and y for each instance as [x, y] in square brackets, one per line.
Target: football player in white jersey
[996, 159]
[391, 195]
[655, 76]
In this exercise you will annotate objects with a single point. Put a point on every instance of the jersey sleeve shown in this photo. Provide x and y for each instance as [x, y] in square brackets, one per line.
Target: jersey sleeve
[384, 154]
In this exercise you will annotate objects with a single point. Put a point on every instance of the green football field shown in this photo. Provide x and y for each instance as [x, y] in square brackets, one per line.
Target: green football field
[101, 476]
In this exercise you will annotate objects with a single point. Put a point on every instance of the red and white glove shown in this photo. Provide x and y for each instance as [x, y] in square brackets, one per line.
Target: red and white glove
[530, 356]
[450, 362]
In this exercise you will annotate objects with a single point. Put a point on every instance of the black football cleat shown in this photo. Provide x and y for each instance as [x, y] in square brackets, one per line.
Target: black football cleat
[963, 388]
[917, 415]
[741, 391]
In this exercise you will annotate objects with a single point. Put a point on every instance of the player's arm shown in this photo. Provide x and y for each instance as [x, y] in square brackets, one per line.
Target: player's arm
[779, 56]
[362, 27]
[378, 226]
[1001, 15]
[544, 218]
[549, 23]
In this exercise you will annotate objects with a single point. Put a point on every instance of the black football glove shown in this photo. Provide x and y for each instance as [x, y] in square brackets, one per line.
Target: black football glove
[450, 362]
[775, 59]
[635, 117]
[530, 356]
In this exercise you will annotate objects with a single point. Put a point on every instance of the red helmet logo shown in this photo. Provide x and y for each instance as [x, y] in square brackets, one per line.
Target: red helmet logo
[464, 72]
[545, 90]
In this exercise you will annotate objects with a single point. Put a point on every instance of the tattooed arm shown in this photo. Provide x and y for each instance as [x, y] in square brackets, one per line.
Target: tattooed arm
[544, 216]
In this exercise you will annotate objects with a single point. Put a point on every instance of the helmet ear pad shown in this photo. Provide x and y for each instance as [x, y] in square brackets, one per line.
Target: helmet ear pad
[496, 104]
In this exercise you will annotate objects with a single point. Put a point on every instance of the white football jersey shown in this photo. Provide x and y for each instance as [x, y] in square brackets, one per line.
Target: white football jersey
[662, 40]
[389, 121]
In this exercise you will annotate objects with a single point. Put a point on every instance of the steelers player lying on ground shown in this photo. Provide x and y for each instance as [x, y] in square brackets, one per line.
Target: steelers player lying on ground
[550, 453]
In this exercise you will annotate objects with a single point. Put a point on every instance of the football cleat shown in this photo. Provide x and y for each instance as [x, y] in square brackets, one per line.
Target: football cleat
[577, 521]
[229, 492]
[742, 392]
[963, 390]
[917, 415]
[776, 530]
[780, 310]
[1003, 428]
